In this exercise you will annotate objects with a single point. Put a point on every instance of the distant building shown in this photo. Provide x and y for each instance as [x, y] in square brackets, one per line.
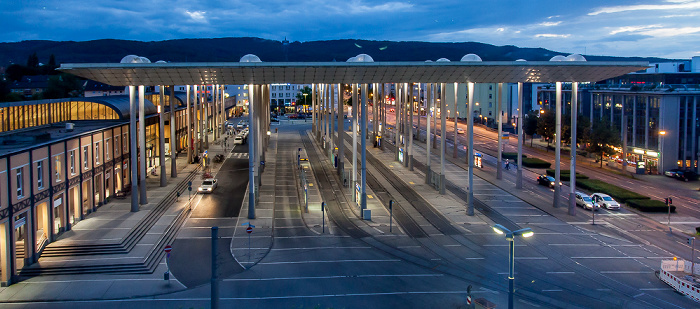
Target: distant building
[30, 85]
[96, 89]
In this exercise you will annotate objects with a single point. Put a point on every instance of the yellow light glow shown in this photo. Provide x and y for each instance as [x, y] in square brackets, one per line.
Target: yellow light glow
[497, 230]
[528, 234]
[662, 132]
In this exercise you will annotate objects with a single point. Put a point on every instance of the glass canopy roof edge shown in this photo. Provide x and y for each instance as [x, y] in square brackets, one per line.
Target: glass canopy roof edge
[123, 74]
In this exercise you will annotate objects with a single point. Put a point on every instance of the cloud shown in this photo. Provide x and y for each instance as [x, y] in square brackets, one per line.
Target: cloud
[551, 35]
[675, 5]
[197, 16]
[632, 29]
[356, 7]
[550, 23]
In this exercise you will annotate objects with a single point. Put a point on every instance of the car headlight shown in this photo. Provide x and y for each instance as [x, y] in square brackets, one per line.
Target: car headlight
[199, 189]
[551, 183]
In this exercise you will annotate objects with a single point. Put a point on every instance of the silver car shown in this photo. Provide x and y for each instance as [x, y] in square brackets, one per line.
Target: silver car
[585, 201]
[604, 200]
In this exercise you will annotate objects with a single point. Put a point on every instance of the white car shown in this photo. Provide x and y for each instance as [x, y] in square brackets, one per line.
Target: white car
[208, 185]
[604, 200]
[238, 140]
[585, 201]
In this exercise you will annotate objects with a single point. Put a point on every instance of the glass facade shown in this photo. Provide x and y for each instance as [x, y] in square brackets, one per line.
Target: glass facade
[31, 115]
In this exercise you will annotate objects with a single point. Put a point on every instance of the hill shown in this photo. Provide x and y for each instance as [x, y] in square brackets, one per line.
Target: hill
[231, 49]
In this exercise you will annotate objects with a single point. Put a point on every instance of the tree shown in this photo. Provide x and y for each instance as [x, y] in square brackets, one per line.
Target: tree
[33, 61]
[530, 125]
[546, 125]
[63, 86]
[602, 138]
[582, 125]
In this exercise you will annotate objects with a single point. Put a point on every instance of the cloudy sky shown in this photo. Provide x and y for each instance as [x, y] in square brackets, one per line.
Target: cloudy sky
[663, 28]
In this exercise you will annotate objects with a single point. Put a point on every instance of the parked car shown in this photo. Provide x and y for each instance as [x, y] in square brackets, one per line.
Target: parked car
[585, 201]
[681, 174]
[460, 131]
[208, 185]
[546, 180]
[604, 200]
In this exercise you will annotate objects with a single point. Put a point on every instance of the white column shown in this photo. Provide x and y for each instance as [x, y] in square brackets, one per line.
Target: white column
[456, 115]
[251, 153]
[519, 179]
[443, 136]
[557, 153]
[470, 150]
[190, 144]
[363, 171]
[428, 100]
[341, 133]
[133, 153]
[499, 119]
[397, 122]
[572, 168]
[411, 105]
[161, 137]
[173, 136]
[142, 146]
[355, 106]
[205, 108]
[314, 127]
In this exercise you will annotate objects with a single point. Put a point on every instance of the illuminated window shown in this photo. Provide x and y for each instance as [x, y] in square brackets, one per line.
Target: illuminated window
[40, 174]
[20, 181]
[85, 157]
[97, 153]
[72, 162]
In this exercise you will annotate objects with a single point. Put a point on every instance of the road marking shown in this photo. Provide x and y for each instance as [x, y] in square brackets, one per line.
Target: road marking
[559, 272]
[608, 257]
[335, 261]
[316, 248]
[475, 258]
[531, 258]
[406, 247]
[625, 272]
[329, 277]
[555, 290]
[657, 289]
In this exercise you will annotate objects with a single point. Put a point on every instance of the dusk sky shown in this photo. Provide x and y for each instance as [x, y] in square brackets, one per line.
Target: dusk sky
[662, 28]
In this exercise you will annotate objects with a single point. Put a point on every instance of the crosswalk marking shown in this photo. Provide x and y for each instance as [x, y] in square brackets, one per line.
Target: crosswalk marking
[239, 155]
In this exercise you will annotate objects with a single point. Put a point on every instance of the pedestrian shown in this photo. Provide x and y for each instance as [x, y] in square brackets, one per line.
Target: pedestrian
[507, 164]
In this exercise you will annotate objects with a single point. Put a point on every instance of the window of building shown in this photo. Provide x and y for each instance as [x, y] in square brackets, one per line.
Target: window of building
[72, 162]
[57, 164]
[287, 87]
[490, 87]
[40, 174]
[288, 94]
[107, 149]
[116, 145]
[490, 96]
[245, 94]
[97, 153]
[125, 143]
[20, 182]
[85, 157]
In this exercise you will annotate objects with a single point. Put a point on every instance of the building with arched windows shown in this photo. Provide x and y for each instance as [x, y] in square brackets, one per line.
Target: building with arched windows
[61, 160]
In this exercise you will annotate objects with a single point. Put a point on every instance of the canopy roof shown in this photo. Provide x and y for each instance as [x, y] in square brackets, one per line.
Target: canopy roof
[238, 73]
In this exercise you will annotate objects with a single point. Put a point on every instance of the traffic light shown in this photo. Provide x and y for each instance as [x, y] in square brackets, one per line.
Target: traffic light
[690, 241]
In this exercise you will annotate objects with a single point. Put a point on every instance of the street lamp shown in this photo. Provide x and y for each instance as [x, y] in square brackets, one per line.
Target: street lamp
[661, 150]
[502, 230]
[305, 104]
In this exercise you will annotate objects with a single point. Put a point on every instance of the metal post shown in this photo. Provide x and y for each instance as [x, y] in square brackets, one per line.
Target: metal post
[323, 217]
[692, 256]
[499, 114]
[557, 153]
[519, 178]
[470, 150]
[668, 203]
[511, 271]
[214, 275]
[142, 148]
[133, 165]
[572, 168]
[391, 214]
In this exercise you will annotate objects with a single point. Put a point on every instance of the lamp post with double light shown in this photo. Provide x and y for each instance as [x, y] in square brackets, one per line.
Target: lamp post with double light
[510, 237]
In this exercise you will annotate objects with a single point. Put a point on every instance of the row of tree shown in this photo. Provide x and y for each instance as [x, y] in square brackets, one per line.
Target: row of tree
[599, 137]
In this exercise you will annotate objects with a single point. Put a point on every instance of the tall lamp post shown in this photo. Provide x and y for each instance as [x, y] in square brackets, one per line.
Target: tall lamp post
[502, 230]
[661, 149]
